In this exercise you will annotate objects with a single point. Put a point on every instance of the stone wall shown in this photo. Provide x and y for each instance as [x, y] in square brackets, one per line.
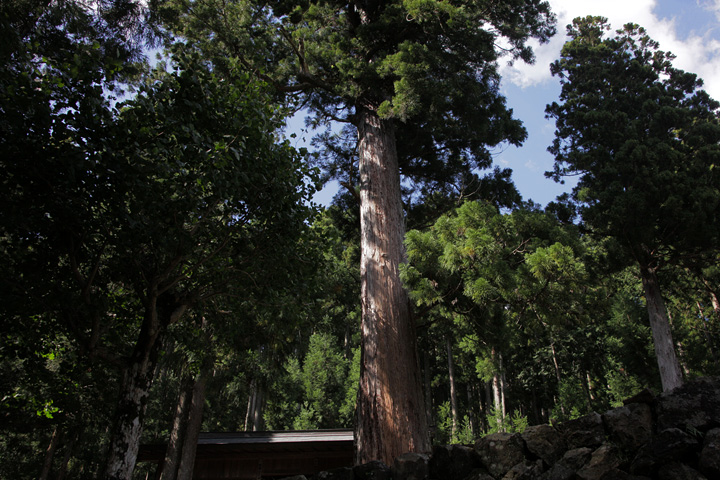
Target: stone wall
[674, 436]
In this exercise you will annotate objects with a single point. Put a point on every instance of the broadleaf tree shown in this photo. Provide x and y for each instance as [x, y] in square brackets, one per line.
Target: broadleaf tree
[418, 83]
[643, 138]
[123, 217]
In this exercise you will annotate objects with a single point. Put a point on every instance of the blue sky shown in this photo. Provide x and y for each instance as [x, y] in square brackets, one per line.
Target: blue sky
[688, 28]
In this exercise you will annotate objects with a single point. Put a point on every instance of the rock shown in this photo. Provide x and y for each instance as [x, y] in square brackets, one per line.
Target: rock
[500, 452]
[670, 445]
[571, 462]
[464, 460]
[525, 471]
[439, 463]
[411, 466]
[679, 471]
[602, 461]
[692, 406]
[479, 474]
[577, 458]
[345, 473]
[558, 472]
[587, 431]
[374, 470]
[622, 444]
[630, 427]
[453, 462]
[644, 396]
[709, 463]
[545, 443]
[616, 474]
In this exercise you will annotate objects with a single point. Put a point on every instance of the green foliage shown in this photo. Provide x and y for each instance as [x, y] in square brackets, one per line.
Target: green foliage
[644, 139]
[515, 423]
[317, 392]
[492, 267]
[572, 400]
[443, 428]
[642, 136]
[185, 189]
[433, 56]
[117, 212]
[323, 377]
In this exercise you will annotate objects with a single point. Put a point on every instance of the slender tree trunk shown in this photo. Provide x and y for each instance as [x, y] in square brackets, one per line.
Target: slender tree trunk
[715, 303]
[497, 400]
[453, 390]
[68, 448]
[537, 415]
[251, 405]
[591, 389]
[497, 391]
[706, 333]
[347, 343]
[391, 411]
[713, 292]
[258, 407]
[192, 433]
[471, 410]
[135, 388]
[585, 382]
[557, 372]
[670, 374]
[503, 387]
[428, 392]
[50, 454]
[488, 410]
[170, 465]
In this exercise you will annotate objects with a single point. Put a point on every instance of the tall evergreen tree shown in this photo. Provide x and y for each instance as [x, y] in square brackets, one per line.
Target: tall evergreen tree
[644, 140]
[418, 82]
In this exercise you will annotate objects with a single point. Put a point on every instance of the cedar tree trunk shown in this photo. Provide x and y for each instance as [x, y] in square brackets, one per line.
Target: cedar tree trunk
[670, 374]
[391, 411]
[453, 391]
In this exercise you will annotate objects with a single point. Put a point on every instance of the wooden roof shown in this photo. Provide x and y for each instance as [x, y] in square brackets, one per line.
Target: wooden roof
[255, 455]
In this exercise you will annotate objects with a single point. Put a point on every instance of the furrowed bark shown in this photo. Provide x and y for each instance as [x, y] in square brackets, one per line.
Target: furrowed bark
[391, 411]
[670, 374]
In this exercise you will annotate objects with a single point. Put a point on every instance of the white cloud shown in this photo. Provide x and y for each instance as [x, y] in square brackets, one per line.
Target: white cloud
[711, 6]
[532, 165]
[697, 53]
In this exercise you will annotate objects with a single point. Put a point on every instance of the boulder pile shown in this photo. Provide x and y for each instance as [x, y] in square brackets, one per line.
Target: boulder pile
[674, 436]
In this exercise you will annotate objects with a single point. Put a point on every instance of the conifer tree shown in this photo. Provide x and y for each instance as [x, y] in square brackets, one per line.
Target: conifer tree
[644, 140]
[418, 82]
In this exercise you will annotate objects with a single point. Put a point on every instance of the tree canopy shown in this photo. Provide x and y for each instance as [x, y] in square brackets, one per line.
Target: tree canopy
[644, 140]
[124, 215]
[400, 73]
[166, 272]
